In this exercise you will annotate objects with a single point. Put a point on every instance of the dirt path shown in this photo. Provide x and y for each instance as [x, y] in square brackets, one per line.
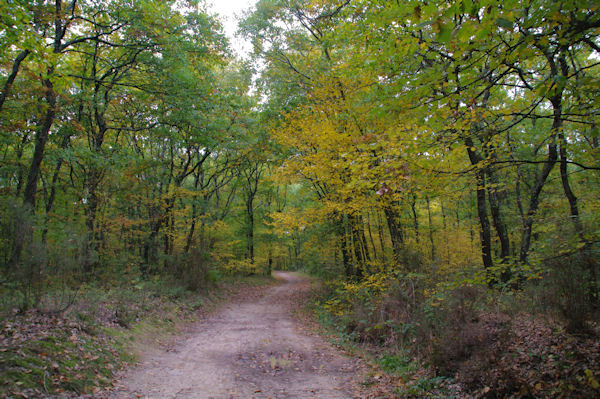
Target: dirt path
[250, 349]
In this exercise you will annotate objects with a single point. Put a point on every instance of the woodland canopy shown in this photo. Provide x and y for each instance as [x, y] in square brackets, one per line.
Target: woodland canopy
[422, 146]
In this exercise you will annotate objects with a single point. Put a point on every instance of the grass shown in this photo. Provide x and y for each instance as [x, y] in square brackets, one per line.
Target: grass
[397, 364]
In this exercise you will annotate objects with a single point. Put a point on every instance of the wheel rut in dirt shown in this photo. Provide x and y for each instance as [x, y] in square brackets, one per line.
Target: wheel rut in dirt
[253, 348]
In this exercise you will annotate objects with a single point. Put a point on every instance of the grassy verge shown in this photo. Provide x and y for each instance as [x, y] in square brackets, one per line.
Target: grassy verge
[77, 352]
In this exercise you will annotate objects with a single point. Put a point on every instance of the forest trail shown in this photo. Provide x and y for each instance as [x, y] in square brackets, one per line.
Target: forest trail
[252, 348]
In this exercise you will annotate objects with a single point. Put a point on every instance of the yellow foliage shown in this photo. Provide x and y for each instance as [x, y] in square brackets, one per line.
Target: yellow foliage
[371, 289]
[241, 267]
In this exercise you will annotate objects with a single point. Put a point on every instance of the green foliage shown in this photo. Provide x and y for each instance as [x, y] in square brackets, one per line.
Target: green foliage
[428, 157]
[396, 364]
[427, 387]
[138, 167]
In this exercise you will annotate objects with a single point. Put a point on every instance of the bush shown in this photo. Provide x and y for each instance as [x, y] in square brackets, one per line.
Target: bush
[25, 256]
[456, 330]
[572, 288]
[382, 308]
[194, 269]
[242, 267]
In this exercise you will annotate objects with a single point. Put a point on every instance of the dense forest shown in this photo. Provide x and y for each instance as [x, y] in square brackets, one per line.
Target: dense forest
[436, 163]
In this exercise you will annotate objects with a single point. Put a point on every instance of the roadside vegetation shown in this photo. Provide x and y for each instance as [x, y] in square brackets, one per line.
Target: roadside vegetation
[78, 352]
[462, 342]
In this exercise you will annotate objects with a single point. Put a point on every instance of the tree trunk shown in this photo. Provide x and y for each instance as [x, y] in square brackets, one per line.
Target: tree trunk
[269, 261]
[41, 139]
[250, 227]
[430, 228]
[11, 78]
[19, 153]
[415, 218]
[363, 240]
[445, 228]
[497, 220]
[30, 192]
[52, 194]
[564, 176]
[360, 247]
[354, 240]
[150, 250]
[395, 228]
[374, 248]
[534, 199]
[190, 234]
[484, 223]
[92, 210]
[346, 258]
[381, 235]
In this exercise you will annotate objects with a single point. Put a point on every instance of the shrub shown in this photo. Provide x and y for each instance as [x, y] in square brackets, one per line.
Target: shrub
[455, 329]
[381, 308]
[572, 287]
[242, 267]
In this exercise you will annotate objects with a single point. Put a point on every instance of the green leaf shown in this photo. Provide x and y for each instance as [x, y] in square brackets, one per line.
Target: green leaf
[504, 23]
[444, 33]
[425, 24]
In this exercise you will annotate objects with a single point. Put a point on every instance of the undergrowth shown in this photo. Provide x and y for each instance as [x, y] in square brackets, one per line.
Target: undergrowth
[464, 338]
[77, 352]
